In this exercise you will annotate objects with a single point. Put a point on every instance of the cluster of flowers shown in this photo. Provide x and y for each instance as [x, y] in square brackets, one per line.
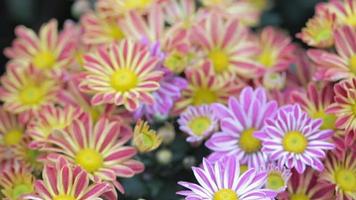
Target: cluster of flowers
[279, 120]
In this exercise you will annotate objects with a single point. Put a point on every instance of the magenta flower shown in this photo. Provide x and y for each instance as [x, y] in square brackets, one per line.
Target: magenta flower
[294, 139]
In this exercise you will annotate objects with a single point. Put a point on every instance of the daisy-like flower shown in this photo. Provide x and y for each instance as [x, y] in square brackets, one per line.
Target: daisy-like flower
[344, 106]
[341, 172]
[25, 91]
[63, 181]
[181, 14]
[222, 181]
[294, 139]
[277, 176]
[319, 30]
[103, 143]
[331, 66]
[49, 119]
[99, 30]
[315, 101]
[122, 74]
[144, 138]
[306, 186]
[345, 11]
[226, 45]
[48, 51]
[205, 88]
[16, 180]
[239, 122]
[198, 122]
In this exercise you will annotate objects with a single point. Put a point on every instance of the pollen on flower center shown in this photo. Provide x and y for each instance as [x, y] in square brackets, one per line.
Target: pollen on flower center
[137, 4]
[89, 159]
[21, 189]
[243, 169]
[44, 60]
[299, 197]
[351, 20]
[123, 80]
[219, 59]
[199, 125]
[346, 180]
[204, 96]
[328, 119]
[295, 142]
[225, 194]
[13, 137]
[267, 58]
[352, 64]
[275, 181]
[114, 31]
[64, 197]
[323, 35]
[31, 95]
[248, 142]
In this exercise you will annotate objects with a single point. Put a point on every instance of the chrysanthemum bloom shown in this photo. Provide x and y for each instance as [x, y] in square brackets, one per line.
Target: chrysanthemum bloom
[277, 176]
[122, 74]
[49, 119]
[63, 181]
[226, 45]
[344, 106]
[306, 186]
[99, 30]
[205, 88]
[341, 172]
[315, 102]
[103, 143]
[276, 52]
[222, 181]
[144, 138]
[198, 122]
[25, 91]
[181, 14]
[47, 51]
[239, 122]
[345, 11]
[16, 180]
[294, 139]
[331, 66]
[319, 30]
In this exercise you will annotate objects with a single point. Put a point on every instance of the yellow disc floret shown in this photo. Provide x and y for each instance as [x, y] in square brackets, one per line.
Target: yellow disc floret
[204, 96]
[44, 60]
[225, 194]
[346, 180]
[199, 125]
[275, 181]
[89, 159]
[12, 137]
[123, 80]
[248, 142]
[219, 59]
[295, 142]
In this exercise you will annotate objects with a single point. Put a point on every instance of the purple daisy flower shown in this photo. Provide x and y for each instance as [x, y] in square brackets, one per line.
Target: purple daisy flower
[294, 139]
[277, 176]
[198, 122]
[222, 181]
[239, 121]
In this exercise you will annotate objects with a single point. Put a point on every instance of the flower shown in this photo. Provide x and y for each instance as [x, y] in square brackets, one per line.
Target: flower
[222, 181]
[277, 176]
[63, 181]
[198, 122]
[340, 171]
[239, 122]
[122, 74]
[344, 106]
[47, 51]
[306, 186]
[28, 156]
[145, 139]
[103, 142]
[15, 180]
[331, 66]
[226, 45]
[25, 91]
[345, 11]
[315, 102]
[294, 139]
[180, 14]
[205, 88]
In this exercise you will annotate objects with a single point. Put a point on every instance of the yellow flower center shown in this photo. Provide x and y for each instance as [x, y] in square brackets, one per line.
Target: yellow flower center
[199, 125]
[175, 62]
[44, 60]
[225, 194]
[64, 197]
[295, 142]
[21, 189]
[346, 180]
[89, 159]
[275, 181]
[243, 169]
[267, 58]
[299, 197]
[31, 95]
[137, 4]
[323, 34]
[352, 64]
[204, 96]
[13, 137]
[351, 20]
[219, 59]
[328, 119]
[124, 79]
[248, 142]
[114, 31]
